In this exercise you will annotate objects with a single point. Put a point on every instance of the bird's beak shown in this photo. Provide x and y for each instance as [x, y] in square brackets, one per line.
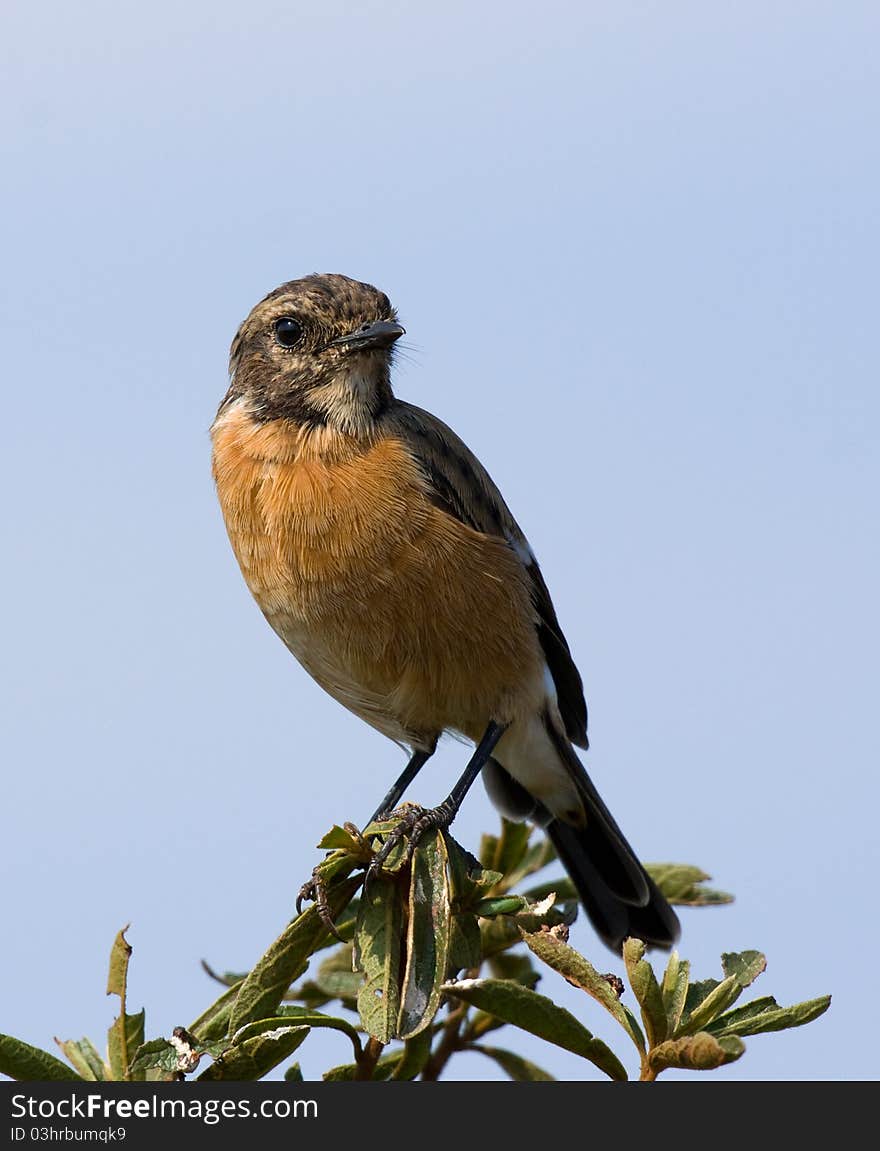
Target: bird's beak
[381, 334]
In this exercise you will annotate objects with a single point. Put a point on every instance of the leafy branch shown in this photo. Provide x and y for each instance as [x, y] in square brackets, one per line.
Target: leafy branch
[436, 953]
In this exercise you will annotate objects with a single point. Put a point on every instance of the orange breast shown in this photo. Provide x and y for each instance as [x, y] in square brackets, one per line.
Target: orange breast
[408, 617]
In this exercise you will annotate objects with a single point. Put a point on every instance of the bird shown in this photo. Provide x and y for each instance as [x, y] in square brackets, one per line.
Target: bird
[385, 558]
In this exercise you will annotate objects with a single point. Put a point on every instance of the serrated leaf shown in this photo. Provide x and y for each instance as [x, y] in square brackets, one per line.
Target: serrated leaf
[213, 1023]
[647, 991]
[427, 937]
[674, 990]
[513, 1003]
[255, 1057]
[378, 946]
[262, 991]
[700, 1052]
[84, 1056]
[519, 1069]
[772, 1019]
[580, 973]
[416, 1052]
[126, 1034]
[744, 966]
[120, 953]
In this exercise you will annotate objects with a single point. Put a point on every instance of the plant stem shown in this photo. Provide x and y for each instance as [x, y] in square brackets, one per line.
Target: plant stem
[447, 1046]
[369, 1059]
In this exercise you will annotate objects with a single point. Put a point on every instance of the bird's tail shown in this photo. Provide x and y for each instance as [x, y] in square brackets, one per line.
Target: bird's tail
[618, 895]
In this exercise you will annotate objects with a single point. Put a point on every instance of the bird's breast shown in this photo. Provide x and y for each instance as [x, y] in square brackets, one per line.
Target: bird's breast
[395, 607]
[318, 523]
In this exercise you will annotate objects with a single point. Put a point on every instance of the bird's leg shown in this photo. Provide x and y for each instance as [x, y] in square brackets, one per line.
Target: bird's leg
[417, 762]
[417, 821]
[314, 889]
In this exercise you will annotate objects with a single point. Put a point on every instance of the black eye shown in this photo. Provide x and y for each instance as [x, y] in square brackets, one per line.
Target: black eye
[288, 331]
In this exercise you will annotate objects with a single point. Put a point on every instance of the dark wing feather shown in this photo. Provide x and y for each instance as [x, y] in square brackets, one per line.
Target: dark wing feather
[462, 487]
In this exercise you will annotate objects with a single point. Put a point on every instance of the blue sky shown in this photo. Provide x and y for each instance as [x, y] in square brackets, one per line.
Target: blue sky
[636, 252]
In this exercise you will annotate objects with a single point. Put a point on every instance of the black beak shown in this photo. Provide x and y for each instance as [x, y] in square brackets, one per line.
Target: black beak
[381, 334]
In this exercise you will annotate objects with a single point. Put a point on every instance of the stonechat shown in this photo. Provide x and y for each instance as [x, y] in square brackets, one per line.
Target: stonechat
[384, 556]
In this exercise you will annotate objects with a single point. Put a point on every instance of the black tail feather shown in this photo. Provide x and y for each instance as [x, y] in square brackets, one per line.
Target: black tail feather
[613, 919]
[618, 895]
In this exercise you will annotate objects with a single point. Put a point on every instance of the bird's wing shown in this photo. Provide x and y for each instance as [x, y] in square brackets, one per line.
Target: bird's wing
[460, 485]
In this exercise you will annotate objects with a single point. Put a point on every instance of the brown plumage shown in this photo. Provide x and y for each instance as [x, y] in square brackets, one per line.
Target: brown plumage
[385, 558]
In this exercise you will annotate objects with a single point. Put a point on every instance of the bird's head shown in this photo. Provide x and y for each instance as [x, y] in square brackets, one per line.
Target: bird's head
[316, 351]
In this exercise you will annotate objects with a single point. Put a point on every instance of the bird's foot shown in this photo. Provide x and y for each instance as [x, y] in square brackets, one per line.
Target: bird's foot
[315, 891]
[413, 822]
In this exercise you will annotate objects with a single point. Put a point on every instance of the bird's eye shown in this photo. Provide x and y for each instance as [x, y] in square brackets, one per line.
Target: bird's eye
[288, 331]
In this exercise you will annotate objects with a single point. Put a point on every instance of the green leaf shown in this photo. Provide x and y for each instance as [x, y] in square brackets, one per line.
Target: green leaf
[378, 945]
[156, 1053]
[700, 1052]
[349, 1071]
[85, 1059]
[513, 1003]
[562, 888]
[537, 857]
[20, 1061]
[719, 999]
[120, 953]
[742, 969]
[647, 991]
[577, 971]
[513, 965]
[742, 1014]
[519, 1069]
[500, 905]
[427, 937]
[126, 1034]
[303, 1017]
[770, 1019]
[469, 880]
[416, 1052]
[497, 935]
[335, 977]
[682, 885]
[674, 989]
[465, 944]
[262, 991]
[337, 838]
[511, 846]
[481, 1023]
[744, 966]
[214, 1022]
[256, 1056]
[227, 978]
